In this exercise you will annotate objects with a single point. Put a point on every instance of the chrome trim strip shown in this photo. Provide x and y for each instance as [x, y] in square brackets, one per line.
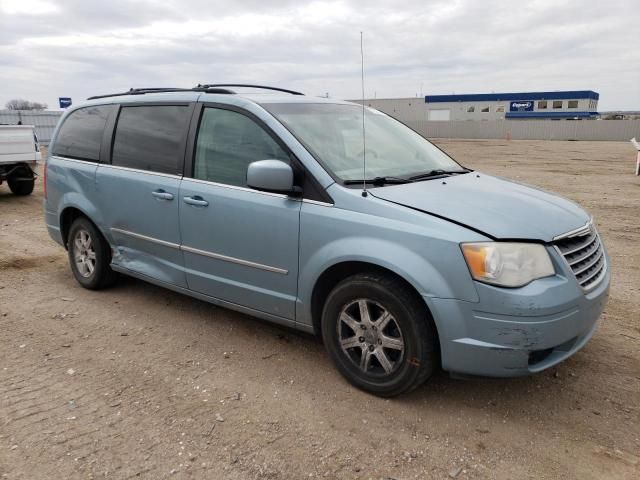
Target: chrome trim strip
[204, 253]
[234, 187]
[317, 202]
[137, 170]
[588, 254]
[239, 261]
[594, 274]
[586, 228]
[581, 247]
[598, 278]
[75, 160]
[590, 264]
[144, 237]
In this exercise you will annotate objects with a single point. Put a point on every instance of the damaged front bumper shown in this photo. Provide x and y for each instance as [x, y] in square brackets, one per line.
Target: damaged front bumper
[513, 332]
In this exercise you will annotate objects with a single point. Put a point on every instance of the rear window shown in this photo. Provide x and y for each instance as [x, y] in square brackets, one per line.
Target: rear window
[151, 138]
[81, 133]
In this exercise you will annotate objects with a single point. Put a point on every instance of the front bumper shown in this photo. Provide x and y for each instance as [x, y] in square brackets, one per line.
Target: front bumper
[513, 332]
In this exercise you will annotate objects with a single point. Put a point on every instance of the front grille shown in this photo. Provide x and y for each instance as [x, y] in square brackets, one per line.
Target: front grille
[584, 254]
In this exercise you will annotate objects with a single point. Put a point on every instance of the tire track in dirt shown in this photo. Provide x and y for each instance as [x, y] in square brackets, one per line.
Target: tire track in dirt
[68, 437]
[28, 417]
[23, 263]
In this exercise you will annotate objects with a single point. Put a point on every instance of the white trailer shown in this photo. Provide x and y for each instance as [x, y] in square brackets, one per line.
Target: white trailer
[19, 152]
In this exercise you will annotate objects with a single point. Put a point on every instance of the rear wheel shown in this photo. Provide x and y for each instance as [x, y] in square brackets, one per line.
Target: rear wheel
[379, 335]
[89, 255]
[19, 186]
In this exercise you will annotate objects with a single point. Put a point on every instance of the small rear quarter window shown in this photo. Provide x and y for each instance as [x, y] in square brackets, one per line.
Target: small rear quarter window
[80, 135]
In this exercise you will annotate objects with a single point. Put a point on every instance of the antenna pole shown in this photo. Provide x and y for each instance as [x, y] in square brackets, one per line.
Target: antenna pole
[364, 139]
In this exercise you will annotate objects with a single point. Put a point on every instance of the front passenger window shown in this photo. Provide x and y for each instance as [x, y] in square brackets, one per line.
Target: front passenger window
[227, 143]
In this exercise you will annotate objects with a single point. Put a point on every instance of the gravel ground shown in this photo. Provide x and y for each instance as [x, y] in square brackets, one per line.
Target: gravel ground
[140, 382]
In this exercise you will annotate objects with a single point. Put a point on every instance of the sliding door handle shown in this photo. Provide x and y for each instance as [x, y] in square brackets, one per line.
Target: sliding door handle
[162, 195]
[196, 201]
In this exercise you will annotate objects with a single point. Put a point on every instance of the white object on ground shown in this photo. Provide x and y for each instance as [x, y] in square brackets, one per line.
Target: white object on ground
[638, 164]
[635, 143]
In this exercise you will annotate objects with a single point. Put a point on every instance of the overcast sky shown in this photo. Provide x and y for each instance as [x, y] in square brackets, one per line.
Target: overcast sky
[78, 48]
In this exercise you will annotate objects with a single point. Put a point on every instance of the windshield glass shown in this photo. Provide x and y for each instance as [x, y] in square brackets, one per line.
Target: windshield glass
[333, 134]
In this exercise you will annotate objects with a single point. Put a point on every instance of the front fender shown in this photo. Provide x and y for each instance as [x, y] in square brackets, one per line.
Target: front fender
[413, 267]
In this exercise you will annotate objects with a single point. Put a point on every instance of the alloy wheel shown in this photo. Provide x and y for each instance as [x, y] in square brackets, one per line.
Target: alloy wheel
[370, 337]
[84, 253]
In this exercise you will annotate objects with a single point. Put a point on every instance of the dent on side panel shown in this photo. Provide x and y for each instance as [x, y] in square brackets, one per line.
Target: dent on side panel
[147, 259]
[143, 230]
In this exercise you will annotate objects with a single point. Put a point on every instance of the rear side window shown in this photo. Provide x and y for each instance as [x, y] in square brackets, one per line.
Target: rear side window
[227, 143]
[81, 133]
[151, 138]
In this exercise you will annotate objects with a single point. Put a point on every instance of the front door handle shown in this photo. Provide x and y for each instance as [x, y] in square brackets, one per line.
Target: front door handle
[196, 201]
[162, 195]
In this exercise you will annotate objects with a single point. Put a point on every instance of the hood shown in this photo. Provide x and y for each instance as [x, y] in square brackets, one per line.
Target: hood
[499, 208]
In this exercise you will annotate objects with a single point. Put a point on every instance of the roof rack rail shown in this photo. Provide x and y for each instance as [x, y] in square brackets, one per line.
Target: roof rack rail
[138, 91]
[264, 87]
[142, 91]
[208, 88]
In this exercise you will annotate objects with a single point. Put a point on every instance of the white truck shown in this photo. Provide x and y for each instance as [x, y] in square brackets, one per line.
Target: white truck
[19, 152]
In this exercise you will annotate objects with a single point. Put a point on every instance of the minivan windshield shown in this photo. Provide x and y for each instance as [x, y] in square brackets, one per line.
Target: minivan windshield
[333, 134]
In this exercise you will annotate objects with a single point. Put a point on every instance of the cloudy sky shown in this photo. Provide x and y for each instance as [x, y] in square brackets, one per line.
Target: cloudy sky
[78, 48]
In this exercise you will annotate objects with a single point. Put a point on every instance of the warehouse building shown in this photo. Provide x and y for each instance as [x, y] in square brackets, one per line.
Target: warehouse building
[574, 104]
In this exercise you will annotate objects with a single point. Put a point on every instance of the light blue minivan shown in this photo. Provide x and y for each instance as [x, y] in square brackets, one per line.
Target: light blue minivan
[262, 203]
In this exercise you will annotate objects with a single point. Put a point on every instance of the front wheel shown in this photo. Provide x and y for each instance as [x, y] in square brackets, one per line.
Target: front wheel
[379, 335]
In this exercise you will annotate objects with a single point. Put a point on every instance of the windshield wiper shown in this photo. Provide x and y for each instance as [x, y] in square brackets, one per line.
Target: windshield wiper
[380, 181]
[438, 172]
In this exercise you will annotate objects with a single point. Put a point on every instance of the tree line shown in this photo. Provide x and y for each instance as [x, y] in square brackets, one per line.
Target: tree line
[20, 104]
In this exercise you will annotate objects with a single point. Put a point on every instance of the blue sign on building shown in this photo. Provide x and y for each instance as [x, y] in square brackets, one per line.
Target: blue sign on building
[521, 106]
[64, 102]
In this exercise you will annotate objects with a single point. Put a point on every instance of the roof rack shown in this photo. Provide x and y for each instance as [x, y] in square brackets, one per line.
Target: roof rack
[263, 87]
[142, 91]
[208, 88]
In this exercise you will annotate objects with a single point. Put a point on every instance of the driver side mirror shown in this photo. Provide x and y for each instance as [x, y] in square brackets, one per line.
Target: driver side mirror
[271, 176]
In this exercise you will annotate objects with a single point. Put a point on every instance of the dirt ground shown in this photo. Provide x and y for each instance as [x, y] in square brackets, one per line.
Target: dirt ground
[140, 382]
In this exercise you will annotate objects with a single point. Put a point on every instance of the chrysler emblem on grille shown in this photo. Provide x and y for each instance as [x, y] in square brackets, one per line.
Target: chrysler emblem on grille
[588, 229]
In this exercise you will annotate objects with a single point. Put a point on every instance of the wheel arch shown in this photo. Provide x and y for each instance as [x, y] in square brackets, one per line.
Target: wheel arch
[68, 215]
[337, 272]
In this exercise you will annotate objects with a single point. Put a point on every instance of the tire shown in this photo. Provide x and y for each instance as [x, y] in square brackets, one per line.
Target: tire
[20, 187]
[89, 255]
[400, 329]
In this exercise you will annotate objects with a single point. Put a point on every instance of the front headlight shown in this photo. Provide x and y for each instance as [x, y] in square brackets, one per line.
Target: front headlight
[508, 264]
